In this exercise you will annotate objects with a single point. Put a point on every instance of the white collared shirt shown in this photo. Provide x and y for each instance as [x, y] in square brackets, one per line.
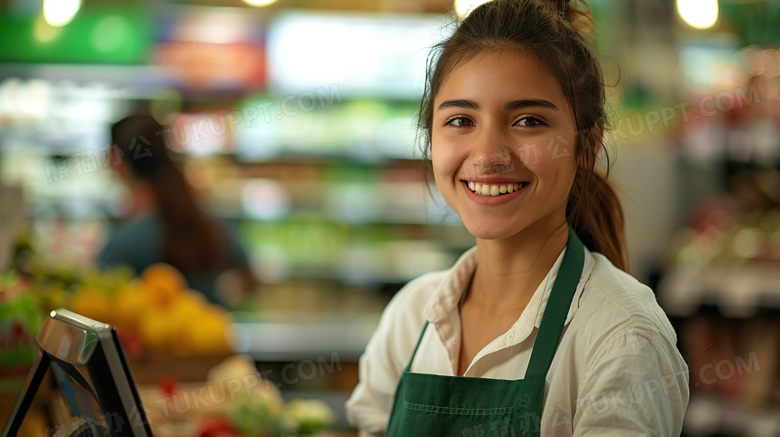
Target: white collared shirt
[617, 370]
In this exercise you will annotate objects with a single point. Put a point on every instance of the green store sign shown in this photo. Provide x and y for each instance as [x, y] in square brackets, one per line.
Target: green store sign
[756, 22]
[96, 35]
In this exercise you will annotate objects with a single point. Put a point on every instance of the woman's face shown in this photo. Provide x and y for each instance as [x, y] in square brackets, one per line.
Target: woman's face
[502, 145]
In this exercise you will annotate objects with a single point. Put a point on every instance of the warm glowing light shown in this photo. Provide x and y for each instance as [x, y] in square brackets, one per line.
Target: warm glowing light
[59, 12]
[463, 7]
[259, 3]
[44, 32]
[701, 14]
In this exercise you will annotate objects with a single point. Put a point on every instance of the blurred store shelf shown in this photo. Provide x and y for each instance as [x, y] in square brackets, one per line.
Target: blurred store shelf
[294, 338]
[117, 76]
[738, 291]
[715, 416]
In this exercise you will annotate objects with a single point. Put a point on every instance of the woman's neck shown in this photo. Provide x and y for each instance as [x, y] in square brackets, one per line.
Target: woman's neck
[510, 270]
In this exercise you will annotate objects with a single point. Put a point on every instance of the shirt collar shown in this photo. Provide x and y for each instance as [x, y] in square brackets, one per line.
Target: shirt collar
[449, 291]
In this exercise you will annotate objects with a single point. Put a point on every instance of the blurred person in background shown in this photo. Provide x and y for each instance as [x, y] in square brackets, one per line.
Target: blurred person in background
[166, 222]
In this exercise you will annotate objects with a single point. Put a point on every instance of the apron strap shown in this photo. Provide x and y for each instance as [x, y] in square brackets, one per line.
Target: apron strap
[557, 309]
[419, 340]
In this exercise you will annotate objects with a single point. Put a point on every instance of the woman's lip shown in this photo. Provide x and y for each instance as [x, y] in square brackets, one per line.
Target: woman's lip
[491, 200]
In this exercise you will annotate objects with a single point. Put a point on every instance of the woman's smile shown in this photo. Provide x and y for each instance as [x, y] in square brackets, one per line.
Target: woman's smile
[493, 193]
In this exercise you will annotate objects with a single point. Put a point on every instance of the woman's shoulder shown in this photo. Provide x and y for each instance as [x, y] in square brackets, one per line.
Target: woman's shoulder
[615, 303]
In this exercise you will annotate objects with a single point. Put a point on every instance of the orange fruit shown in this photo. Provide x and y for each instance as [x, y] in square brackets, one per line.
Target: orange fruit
[164, 282]
[131, 301]
[204, 332]
[156, 330]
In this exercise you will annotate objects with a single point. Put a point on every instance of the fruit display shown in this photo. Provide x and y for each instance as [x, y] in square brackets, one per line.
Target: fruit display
[235, 400]
[155, 312]
[19, 322]
[308, 415]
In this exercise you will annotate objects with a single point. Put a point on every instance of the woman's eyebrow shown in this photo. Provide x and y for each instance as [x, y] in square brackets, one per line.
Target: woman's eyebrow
[525, 103]
[459, 103]
[514, 104]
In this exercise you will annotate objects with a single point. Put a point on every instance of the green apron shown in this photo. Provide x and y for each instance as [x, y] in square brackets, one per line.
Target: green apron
[436, 405]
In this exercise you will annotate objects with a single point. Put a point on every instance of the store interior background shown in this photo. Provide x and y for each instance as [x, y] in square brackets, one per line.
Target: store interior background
[294, 121]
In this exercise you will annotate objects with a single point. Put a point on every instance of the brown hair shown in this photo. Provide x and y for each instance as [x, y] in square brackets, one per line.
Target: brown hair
[192, 241]
[555, 32]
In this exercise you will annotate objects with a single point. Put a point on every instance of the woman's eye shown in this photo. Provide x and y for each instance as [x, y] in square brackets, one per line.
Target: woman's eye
[459, 122]
[530, 122]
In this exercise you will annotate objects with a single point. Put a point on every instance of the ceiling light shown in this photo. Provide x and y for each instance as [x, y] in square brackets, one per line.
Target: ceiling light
[464, 7]
[700, 14]
[59, 12]
[259, 3]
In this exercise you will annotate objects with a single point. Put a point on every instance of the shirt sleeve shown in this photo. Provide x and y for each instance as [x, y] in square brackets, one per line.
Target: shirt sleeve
[380, 369]
[637, 386]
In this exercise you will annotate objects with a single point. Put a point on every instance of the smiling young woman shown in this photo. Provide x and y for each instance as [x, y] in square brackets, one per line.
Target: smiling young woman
[534, 330]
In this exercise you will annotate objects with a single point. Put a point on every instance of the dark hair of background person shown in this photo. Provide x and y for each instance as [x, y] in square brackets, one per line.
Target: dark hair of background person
[555, 34]
[192, 241]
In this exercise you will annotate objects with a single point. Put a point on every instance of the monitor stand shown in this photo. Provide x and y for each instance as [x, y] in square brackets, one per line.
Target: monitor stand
[34, 379]
[80, 426]
[85, 428]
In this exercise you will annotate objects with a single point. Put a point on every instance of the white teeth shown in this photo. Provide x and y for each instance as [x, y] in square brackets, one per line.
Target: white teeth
[493, 190]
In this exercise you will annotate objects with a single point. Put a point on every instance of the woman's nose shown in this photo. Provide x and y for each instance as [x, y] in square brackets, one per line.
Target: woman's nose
[494, 162]
[491, 156]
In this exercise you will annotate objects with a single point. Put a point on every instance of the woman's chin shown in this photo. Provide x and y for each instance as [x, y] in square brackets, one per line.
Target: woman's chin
[483, 232]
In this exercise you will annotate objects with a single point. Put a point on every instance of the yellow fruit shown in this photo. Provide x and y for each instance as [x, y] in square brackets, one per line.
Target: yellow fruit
[164, 282]
[204, 332]
[192, 300]
[212, 332]
[131, 301]
[156, 330]
[92, 303]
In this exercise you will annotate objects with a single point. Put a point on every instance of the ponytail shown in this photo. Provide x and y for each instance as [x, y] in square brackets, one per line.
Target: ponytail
[595, 214]
[191, 239]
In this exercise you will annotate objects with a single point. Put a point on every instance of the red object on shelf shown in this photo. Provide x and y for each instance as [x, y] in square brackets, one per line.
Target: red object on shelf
[167, 385]
[132, 343]
[217, 428]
